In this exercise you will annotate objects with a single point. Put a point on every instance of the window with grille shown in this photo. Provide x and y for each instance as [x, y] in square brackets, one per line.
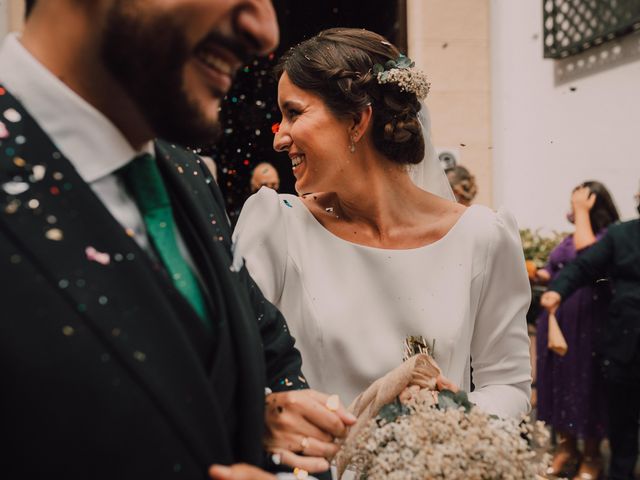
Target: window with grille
[572, 26]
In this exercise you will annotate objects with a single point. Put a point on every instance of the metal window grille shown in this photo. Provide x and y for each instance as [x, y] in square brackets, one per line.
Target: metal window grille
[572, 26]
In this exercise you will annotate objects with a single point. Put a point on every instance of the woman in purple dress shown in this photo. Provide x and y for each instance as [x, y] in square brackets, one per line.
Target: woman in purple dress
[570, 394]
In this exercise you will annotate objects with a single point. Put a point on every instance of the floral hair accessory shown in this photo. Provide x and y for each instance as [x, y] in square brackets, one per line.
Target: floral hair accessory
[403, 73]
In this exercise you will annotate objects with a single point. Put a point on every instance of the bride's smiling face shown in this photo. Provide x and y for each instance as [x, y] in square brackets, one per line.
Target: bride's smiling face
[316, 140]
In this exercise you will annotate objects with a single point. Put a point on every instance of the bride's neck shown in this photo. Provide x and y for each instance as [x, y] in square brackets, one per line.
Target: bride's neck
[381, 198]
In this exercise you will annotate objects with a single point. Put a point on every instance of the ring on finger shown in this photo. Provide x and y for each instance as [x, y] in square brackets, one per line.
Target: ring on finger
[304, 444]
[300, 473]
[333, 402]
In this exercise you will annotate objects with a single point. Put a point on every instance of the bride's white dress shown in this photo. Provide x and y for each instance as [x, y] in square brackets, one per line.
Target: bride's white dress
[350, 307]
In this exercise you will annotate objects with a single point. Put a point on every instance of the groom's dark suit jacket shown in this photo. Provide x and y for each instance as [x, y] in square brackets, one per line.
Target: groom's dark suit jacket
[105, 370]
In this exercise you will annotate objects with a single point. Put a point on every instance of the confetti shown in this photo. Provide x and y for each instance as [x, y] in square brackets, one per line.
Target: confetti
[275, 128]
[12, 115]
[37, 173]
[94, 255]
[12, 207]
[4, 133]
[67, 331]
[286, 202]
[15, 188]
[54, 234]
[140, 356]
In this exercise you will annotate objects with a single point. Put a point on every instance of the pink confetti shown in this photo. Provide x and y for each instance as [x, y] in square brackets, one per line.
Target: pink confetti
[4, 133]
[95, 256]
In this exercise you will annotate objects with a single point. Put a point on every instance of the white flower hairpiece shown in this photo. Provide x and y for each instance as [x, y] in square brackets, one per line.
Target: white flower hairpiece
[403, 73]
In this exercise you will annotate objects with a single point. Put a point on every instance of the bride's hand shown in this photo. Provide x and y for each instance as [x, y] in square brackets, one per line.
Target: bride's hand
[443, 383]
[301, 428]
[414, 391]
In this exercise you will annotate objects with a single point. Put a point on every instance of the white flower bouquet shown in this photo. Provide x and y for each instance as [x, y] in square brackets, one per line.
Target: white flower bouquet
[409, 430]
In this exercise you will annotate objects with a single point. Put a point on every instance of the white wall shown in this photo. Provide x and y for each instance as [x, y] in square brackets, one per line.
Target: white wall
[449, 39]
[548, 138]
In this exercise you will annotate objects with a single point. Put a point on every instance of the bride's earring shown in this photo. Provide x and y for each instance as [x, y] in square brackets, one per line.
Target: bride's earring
[352, 143]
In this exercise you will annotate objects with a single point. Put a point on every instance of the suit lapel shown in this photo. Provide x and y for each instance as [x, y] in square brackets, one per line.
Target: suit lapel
[106, 279]
[198, 197]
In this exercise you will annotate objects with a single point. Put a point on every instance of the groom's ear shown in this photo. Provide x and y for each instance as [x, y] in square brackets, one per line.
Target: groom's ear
[361, 123]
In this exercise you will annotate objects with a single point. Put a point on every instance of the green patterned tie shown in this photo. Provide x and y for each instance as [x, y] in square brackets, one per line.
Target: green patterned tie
[144, 181]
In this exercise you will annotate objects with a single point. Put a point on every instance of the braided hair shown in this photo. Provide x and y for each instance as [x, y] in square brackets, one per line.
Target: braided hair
[337, 65]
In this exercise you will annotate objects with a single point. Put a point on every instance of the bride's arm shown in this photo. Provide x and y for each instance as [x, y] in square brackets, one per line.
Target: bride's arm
[260, 240]
[500, 344]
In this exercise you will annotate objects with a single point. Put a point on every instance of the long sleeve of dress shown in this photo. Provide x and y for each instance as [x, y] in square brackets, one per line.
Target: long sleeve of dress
[260, 234]
[260, 238]
[500, 344]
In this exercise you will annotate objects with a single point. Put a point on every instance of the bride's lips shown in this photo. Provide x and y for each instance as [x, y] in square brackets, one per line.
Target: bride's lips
[298, 160]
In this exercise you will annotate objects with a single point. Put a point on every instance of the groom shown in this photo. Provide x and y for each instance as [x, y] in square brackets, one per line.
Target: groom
[129, 348]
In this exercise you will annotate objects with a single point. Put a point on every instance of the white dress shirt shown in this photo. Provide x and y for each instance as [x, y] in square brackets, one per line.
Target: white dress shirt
[93, 145]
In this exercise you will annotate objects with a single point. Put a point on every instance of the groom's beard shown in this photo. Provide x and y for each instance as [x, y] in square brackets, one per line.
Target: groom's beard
[147, 56]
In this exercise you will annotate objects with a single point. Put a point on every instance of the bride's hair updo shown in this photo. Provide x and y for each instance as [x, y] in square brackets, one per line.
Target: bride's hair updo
[337, 65]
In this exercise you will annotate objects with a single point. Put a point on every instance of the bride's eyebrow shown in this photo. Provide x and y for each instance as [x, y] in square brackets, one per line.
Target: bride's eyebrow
[291, 104]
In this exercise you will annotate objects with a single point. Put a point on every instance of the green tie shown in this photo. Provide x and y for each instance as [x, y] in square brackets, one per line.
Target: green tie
[145, 183]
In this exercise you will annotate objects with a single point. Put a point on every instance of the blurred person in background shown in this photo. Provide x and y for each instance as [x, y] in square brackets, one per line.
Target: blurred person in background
[463, 184]
[264, 175]
[570, 391]
[616, 255]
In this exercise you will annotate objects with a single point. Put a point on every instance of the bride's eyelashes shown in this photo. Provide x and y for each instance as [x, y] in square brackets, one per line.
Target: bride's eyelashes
[291, 113]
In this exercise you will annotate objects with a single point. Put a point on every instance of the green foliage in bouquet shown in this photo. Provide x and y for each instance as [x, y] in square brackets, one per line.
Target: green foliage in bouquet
[448, 399]
[538, 247]
[391, 411]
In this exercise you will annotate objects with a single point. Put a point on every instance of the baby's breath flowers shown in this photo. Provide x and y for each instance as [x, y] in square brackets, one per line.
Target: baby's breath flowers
[403, 73]
[448, 439]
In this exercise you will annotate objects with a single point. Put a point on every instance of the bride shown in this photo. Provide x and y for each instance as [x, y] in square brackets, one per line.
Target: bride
[371, 252]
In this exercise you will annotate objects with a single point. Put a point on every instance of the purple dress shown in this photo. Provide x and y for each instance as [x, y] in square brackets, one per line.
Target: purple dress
[570, 388]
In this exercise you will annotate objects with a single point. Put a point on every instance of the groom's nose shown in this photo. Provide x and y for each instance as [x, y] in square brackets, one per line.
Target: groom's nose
[257, 26]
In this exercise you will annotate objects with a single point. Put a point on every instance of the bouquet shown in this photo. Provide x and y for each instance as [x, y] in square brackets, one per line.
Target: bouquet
[409, 428]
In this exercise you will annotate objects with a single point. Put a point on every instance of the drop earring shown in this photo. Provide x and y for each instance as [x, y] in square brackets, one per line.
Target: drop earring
[352, 143]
